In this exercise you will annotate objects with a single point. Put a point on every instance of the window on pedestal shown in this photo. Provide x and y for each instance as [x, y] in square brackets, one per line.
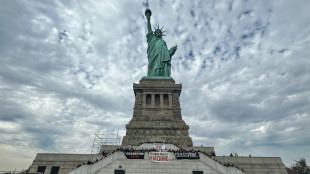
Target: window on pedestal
[41, 169]
[55, 170]
[157, 99]
[166, 100]
[119, 171]
[148, 99]
[197, 172]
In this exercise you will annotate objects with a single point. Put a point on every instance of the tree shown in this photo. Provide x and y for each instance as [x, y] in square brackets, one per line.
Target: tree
[300, 167]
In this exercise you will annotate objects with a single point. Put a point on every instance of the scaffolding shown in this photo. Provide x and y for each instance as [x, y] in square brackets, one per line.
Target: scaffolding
[105, 139]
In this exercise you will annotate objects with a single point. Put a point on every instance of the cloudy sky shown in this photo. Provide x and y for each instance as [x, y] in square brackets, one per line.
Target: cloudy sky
[67, 69]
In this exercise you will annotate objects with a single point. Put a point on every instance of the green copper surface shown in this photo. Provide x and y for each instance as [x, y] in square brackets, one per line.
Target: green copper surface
[159, 57]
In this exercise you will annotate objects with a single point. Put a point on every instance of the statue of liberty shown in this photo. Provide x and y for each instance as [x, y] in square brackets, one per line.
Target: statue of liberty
[159, 57]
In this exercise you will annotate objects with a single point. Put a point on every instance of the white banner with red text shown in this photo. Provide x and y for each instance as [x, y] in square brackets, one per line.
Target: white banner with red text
[159, 156]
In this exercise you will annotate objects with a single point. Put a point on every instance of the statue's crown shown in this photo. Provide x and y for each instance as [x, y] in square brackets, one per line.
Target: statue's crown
[159, 29]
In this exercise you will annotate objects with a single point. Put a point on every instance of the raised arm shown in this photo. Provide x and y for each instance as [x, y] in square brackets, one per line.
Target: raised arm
[148, 14]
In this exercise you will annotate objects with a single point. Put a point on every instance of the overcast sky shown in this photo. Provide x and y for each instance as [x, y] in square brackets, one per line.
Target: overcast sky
[67, 69]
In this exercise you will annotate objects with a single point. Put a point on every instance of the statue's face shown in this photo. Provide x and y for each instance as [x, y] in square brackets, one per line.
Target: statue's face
[158, 33]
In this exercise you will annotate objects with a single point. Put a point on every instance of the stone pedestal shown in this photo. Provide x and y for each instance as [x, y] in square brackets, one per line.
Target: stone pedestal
[157, 115]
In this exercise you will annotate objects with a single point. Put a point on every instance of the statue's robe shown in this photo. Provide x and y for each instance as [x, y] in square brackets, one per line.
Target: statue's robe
[158, 56]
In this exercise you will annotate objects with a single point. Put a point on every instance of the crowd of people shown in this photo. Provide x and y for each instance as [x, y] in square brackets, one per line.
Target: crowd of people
[89, 162]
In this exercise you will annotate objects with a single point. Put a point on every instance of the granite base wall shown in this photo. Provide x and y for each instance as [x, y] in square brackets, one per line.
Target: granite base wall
[66, 162]
[256, 165]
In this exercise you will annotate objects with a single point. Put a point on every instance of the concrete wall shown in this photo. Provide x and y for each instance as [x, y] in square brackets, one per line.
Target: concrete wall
[67, 162]
[256, 165]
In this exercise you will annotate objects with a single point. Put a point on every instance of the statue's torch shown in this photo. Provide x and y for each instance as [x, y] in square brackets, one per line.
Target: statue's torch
[148, 13]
